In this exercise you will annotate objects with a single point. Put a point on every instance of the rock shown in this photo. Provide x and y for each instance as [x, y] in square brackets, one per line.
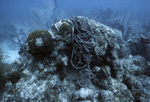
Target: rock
[123, 50]
[119, 37]
[114, 91]
[145, 47]
[13, 77]
[39, 44]
[139, 86]
[85, 94]
[84, 38]
[81, 60]
[144, 39]
[2, 81]
[102, 72]
[135, 79]
[106, 96]
[133, 65]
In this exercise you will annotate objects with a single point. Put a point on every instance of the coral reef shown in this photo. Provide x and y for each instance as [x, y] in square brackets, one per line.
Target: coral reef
[81, 60]
[13, 77]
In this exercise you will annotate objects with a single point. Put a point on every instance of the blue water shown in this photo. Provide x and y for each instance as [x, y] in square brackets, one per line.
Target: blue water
[30, 15]
[18, 10]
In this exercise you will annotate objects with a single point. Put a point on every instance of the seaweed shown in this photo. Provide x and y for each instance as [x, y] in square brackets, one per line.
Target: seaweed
[3, 69]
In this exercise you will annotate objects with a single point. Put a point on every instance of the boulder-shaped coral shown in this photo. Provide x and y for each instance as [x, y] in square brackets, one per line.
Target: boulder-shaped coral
[39, 43]
[88, 40]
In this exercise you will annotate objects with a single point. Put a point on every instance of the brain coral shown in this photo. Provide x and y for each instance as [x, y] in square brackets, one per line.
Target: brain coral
[39, 44]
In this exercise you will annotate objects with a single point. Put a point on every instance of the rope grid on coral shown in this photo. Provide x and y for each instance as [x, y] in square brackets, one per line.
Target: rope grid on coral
[83, 41]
